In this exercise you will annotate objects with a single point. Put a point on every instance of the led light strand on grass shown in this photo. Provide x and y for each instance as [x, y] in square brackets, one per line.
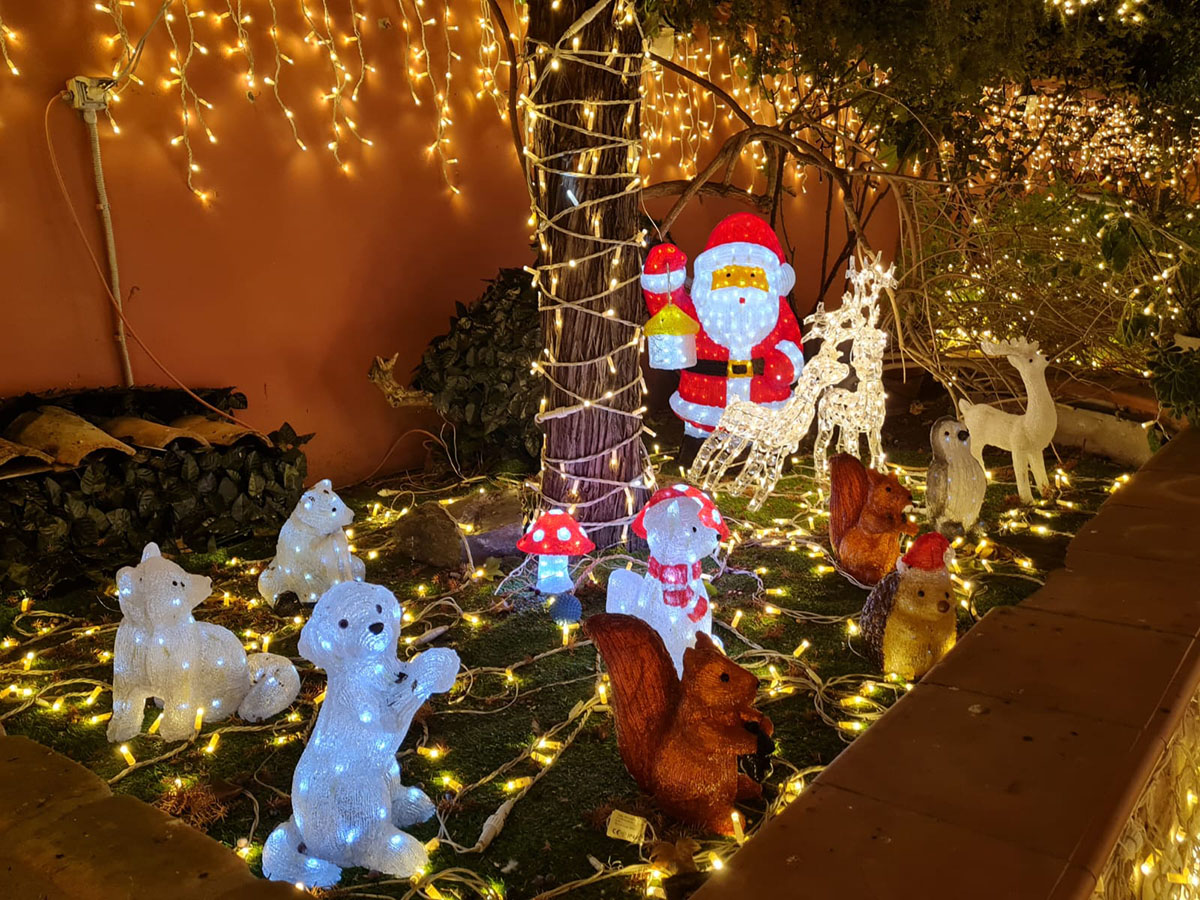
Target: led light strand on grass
[831, 698]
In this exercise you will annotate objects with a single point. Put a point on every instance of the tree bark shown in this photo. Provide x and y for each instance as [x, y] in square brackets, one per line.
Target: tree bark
[582, 129]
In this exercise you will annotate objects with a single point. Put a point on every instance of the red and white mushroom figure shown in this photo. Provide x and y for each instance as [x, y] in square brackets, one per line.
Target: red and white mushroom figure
[554, 537]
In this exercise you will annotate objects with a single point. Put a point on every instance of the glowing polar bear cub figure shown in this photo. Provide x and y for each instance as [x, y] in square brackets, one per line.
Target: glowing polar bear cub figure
[348, 803]
[682, 525]
[312, 554]
[161, 651]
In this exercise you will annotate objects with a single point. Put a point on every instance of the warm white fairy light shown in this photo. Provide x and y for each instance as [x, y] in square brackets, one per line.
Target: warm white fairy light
[8, 37]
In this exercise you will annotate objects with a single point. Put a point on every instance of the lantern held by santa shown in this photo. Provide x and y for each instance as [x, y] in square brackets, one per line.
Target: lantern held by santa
[555, 537]
[672, 338]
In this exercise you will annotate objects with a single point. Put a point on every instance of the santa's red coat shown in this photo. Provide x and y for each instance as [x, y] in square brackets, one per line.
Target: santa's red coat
[701, 399]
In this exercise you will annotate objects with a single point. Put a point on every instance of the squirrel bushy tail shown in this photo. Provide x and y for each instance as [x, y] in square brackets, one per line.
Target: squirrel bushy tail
[645, 689]
[848, 495]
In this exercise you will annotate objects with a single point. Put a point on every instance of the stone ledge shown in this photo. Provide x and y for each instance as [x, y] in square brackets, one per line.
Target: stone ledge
[65, 835]
[1012, 769]
[38, 785]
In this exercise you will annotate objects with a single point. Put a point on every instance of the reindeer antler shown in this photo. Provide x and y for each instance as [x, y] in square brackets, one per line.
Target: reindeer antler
[1019, 347]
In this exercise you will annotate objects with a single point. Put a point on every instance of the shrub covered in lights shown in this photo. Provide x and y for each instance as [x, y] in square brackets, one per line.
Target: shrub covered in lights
[479, 371]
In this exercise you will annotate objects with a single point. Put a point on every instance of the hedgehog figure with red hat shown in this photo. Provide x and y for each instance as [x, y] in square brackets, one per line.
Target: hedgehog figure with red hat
[682, 526]
[909, 621]
[748, 344]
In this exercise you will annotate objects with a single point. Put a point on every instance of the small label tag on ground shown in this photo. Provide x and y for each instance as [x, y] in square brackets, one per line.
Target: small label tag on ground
[626, 827]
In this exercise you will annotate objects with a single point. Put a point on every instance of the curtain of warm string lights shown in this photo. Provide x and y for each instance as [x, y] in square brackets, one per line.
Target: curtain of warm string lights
[311, 60]
[582, 124]
[453, 53]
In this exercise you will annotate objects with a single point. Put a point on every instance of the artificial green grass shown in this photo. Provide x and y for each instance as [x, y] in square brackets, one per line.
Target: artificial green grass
[556, 834]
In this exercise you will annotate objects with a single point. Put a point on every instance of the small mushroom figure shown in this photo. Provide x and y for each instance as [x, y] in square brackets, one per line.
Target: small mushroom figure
[909, 620]
[555, 537]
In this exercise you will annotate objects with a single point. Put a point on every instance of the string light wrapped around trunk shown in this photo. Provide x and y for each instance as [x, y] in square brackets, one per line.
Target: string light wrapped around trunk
[582, 145]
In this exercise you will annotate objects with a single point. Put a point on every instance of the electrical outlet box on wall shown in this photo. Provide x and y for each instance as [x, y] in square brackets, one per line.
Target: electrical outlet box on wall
[90, 94]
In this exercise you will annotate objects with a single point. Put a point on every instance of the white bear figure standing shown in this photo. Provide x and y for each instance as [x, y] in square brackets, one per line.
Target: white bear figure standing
[163, 652]
[682, 526]
[312, 554]
[348, 804]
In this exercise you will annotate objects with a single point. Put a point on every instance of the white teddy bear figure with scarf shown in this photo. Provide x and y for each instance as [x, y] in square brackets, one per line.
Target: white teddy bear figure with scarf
[348, 803]
[162, 652]
[312, 554]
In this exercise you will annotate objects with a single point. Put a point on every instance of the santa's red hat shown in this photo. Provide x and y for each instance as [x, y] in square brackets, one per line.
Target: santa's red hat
[745, 239]
[709, 514]
[931, 552]
[665, 269]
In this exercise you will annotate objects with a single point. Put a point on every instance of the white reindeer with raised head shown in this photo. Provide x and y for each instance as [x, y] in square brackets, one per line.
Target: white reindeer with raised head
[771, 434]
[861, 410]
[1025, 436]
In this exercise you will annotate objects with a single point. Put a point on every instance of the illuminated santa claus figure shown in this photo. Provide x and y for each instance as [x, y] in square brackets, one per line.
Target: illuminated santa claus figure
[748, 345]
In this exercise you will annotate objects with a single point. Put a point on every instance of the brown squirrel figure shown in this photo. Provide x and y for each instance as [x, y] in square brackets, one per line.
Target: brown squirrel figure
[866, 518]
[680, 739]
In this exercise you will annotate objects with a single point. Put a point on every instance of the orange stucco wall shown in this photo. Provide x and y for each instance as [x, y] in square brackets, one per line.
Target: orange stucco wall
[296, 275]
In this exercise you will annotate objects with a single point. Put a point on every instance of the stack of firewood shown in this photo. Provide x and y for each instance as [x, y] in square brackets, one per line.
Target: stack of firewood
[87, 479]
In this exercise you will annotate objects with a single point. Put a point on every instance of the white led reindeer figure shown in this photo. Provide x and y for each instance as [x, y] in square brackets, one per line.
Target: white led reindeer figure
[764, 464]
[862, 410]
[772, 435]
[1025, 436]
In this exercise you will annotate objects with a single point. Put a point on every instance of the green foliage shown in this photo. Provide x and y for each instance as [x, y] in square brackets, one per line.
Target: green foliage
[60, 525]
[916, 69]
[479, 372]
[1175, 374]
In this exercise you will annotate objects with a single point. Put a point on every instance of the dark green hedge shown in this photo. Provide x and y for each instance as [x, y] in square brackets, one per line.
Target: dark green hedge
[478, 372]
[55, 526]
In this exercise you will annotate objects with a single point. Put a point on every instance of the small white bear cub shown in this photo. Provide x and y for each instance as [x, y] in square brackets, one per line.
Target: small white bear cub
[162, 652]
[348, 803]
[312, 554]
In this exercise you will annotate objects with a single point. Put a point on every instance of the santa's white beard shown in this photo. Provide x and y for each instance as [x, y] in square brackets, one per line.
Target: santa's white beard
[736, 317]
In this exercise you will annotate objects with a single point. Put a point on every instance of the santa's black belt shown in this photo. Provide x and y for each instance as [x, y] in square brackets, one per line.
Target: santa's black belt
[734, 368]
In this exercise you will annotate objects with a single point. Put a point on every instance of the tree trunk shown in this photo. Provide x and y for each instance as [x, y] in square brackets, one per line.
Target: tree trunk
[582, 121]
